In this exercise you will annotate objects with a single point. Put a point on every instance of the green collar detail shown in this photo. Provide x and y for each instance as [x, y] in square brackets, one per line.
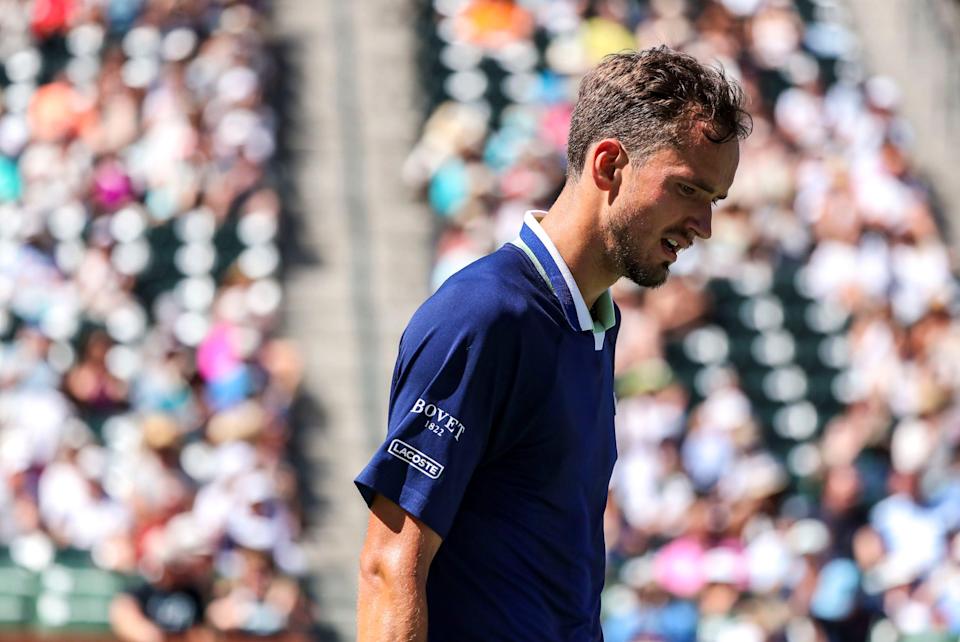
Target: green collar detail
[602, 313]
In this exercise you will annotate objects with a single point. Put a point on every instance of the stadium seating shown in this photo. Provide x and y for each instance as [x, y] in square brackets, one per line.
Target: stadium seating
[141, 372]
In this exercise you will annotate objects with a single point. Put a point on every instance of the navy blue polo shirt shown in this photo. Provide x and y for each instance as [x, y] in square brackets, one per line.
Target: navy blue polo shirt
[501, 440]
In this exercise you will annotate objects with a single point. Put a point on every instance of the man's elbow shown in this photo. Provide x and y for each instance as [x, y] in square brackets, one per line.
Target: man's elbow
[390, 566]
[398, 548]
[372, 571]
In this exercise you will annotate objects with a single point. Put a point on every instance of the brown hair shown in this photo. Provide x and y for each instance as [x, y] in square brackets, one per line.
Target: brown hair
[652, 99]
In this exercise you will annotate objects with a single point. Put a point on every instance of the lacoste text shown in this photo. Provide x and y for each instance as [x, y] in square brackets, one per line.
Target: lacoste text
[415, 458]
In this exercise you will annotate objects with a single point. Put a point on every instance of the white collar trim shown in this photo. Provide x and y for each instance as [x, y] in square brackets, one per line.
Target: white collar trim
[532, 219]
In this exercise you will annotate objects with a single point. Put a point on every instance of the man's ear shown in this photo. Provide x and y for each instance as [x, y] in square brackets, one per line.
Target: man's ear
[608, 158]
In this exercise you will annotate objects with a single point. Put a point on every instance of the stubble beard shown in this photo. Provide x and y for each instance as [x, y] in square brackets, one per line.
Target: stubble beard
[626, 257]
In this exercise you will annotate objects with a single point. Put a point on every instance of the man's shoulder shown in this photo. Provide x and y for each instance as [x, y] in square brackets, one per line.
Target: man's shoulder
[493, 287]
[491, 294]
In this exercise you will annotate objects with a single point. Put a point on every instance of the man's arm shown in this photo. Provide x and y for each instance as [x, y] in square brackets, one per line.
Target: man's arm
[394, 562]
[129, 623]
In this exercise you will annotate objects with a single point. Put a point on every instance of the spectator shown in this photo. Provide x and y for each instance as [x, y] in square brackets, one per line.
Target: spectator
[174, 602]
[258, 601]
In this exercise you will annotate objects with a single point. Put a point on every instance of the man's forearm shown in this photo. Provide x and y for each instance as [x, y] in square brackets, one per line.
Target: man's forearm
[390, 608]
[129, 624]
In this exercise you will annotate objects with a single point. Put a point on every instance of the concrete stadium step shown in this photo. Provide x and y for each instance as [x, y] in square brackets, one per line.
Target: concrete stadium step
[354, 123]
[901, 38]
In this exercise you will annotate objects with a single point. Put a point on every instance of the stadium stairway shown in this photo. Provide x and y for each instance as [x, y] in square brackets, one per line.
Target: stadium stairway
[358, 254]
[917, 44]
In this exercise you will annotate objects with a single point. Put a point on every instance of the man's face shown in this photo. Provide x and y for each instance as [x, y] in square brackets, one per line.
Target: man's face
[664, 203]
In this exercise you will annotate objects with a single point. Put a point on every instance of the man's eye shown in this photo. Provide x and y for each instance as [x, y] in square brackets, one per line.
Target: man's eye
[687, 190]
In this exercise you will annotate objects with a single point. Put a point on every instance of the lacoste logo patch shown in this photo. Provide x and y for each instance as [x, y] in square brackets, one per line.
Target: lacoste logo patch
[426, 465]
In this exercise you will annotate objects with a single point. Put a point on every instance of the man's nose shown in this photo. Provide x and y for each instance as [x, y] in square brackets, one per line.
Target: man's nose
[700, 225]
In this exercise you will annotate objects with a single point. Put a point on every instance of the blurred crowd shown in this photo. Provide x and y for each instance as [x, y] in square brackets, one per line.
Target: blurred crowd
[144, 397]
[835, 516]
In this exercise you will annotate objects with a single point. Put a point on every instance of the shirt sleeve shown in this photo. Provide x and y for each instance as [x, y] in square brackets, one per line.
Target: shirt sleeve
[448, 389]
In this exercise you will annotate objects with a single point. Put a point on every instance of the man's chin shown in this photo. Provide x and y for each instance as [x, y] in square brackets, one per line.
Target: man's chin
[647, 278]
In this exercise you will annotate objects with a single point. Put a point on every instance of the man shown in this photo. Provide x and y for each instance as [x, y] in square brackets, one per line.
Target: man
[172, 605]
[487, 496]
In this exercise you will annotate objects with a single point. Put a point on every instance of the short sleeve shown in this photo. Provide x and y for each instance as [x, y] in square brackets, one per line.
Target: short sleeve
[448, 388]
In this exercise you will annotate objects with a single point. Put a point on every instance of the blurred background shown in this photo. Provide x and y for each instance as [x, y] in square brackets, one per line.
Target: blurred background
[217, 216]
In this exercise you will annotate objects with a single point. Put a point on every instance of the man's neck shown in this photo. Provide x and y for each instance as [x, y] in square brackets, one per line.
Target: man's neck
[574, 228]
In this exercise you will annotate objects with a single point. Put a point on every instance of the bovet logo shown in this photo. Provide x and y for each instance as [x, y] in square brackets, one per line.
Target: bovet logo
[438, 419]
[415, 458]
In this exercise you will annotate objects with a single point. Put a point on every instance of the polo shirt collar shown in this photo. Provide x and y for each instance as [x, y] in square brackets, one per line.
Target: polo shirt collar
[537, 244]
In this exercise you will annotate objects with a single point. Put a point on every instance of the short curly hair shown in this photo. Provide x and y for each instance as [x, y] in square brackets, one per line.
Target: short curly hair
[653, 99]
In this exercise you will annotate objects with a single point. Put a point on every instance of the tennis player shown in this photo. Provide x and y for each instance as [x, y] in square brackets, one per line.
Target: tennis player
[487, 496]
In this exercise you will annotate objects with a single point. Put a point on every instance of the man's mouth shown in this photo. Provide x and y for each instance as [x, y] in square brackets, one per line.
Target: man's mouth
[671, 248]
